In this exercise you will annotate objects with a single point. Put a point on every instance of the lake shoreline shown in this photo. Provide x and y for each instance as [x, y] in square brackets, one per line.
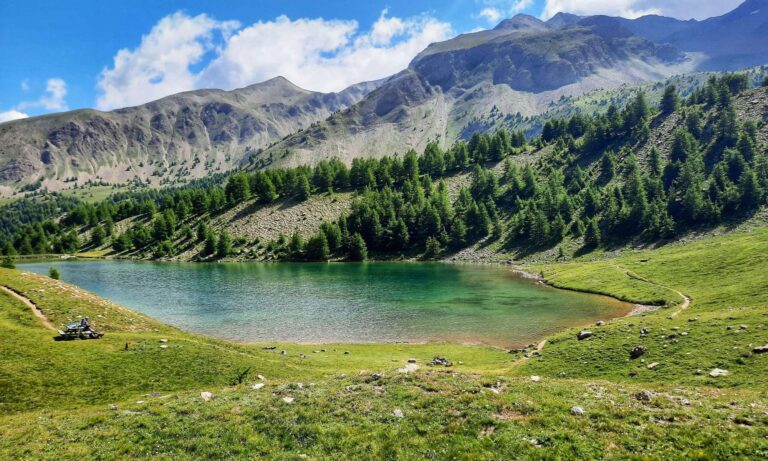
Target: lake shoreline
[508, 329]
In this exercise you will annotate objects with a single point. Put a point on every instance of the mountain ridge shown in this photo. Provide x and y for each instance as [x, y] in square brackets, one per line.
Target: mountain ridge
[197, 132]
[520, 68]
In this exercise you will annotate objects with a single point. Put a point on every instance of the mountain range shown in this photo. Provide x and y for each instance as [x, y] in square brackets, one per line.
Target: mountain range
[518, 68]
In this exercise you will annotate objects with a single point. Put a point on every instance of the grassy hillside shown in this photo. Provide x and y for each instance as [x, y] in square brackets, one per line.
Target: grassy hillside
[96, 399]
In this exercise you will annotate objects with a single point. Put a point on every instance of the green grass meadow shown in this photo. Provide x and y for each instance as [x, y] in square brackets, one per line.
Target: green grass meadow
[95, 399]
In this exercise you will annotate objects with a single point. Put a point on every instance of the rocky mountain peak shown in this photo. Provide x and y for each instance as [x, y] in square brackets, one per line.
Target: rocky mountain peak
[521, 23]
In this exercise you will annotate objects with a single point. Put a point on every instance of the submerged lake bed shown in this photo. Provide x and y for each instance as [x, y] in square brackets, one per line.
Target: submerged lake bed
[340, 302]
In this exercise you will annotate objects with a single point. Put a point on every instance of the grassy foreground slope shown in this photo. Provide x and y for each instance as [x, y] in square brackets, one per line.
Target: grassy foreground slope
[725, 278]
[56, 399]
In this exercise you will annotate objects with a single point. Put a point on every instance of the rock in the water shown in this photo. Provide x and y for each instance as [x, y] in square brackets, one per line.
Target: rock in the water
[718, 372]
[577, 411]
[206, 396]
[398, 413]
[583, 334]
[760, 349]
[644, 396]
[637, 352]
[257, 386]
[288, 399]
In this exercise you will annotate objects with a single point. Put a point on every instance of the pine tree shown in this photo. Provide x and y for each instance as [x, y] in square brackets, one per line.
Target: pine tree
[332, 234]
[358, 251]
[607, 166]
[317, 247]
[97, 236]
[224, 245]
[592, 236]
[670, 100]
[303, 190]
[458, 235]
[497, 149]
[210, 243]
[432, 248]
[121, 243]
[237, 188]
[8, 262]
[751, 192]
[296, 246]
[263, 187]
[411, 165]
[401, 236]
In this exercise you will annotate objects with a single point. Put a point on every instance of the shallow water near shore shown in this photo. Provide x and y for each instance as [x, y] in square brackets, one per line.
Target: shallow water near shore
[340, 302]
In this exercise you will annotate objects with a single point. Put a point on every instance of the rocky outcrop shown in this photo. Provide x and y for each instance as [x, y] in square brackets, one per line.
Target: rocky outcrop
[186, 135]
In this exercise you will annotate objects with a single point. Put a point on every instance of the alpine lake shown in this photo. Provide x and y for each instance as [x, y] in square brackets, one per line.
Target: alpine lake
[340, 302]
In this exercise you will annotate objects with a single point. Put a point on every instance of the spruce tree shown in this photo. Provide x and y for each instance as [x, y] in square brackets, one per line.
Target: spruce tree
[303, 190]
[210, 243]
[317, 247]
[224, 245]
[432, 248]
[670, 100]
[592, 236]
[97, 236]
[358, 251]
[296, 246]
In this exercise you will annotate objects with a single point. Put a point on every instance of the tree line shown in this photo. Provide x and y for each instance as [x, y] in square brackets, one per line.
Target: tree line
[597, 182]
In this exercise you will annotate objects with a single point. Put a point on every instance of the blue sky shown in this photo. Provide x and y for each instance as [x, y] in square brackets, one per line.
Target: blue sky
[57, 55]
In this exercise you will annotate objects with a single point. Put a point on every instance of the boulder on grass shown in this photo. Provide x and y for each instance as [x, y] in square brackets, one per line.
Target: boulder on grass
[583, 334]
[637, 352]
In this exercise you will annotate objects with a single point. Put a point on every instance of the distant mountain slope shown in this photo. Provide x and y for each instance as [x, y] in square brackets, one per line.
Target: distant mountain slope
[185, 135]
[732, 41]
[521, 66]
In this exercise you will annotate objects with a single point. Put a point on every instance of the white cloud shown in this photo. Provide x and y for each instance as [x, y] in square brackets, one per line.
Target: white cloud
[11, 115]
[161, 64]
[495, 10]
[492, 15]
[25, 85]
[318, 54]
[51, 100]
[385, 29]
[682, 9]
[520, 5]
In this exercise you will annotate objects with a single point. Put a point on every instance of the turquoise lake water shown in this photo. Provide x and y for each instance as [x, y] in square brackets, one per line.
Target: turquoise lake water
[342, 302]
